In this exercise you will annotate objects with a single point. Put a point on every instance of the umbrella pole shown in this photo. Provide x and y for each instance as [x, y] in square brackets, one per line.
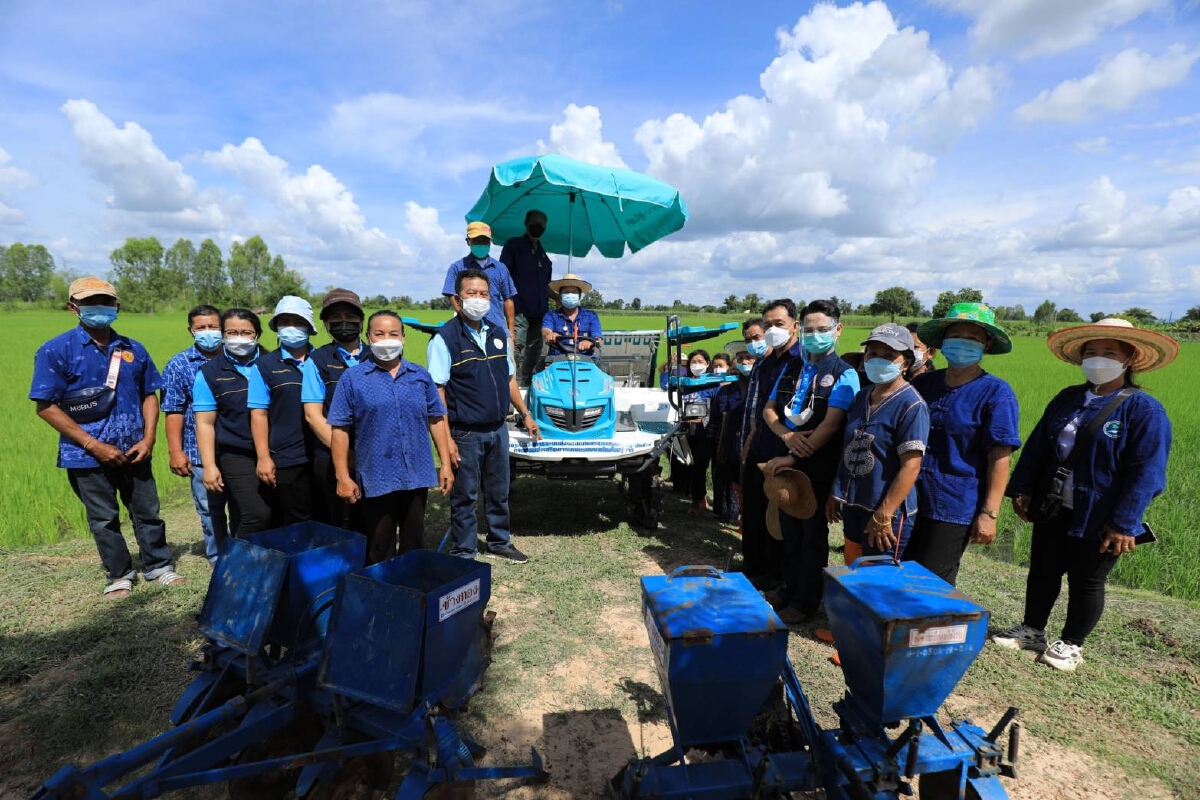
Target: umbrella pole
[570, 230]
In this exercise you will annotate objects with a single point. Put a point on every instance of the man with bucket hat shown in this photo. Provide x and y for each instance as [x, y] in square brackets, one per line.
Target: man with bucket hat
[501, 312]
[283, 441]
[97, 389]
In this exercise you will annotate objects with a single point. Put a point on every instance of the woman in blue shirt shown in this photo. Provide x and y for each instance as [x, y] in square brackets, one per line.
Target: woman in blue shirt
[223, 424]
[1121, 467]
[875, 492]
[698, 441]
[392, 407]
[973, 430]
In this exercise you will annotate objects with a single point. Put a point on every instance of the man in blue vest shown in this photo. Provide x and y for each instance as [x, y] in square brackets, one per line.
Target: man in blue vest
[98, 388]
[502, 311]
[472, 364]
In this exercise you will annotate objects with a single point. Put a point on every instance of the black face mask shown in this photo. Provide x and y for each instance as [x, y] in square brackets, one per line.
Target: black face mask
[345, 331]
[535, 229]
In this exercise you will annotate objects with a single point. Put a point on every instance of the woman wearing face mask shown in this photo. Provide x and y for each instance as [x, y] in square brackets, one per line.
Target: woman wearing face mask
[697, 439]
[728, 405]
[887, 427]
[393, 408]
[223, 424]
[973, 430]
[282, 439]
[923, 354]
[1111, 440]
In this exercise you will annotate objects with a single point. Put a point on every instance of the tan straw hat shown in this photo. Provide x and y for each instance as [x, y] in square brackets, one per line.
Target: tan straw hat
[1151, 348]
[789, 491]
[570, 279]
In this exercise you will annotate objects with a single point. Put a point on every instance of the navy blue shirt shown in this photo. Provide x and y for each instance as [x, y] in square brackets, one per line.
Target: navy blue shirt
[178, 376]
[965, 422]
[500, 285]
[873, 444]
[558, 321]
[766, 444]
[390, 417]
[1124, 468]
[531, 270]
[729, 403]
[72, 361]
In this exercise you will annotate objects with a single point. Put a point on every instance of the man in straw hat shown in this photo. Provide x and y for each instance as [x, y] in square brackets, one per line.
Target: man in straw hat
[570, 320]
[97, 389]
[1104, 447]
[501, 312]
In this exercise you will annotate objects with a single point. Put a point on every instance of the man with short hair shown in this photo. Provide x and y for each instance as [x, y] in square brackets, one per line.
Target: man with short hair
[471, 362]
[342, 316]
[98, 388]
[531, 270]
[179, 375]
[501, 313]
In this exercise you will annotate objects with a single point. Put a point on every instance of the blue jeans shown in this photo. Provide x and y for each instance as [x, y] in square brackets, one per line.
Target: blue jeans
[99, 489]
[211, 508]
[483, 458]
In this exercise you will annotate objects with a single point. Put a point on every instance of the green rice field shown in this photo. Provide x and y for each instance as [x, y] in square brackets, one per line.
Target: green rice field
[37, 506]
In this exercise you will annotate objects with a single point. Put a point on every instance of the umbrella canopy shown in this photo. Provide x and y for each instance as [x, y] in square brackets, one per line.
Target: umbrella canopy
[585, 205]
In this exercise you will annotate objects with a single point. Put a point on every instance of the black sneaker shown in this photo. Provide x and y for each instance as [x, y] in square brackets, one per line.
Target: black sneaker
[507, 553]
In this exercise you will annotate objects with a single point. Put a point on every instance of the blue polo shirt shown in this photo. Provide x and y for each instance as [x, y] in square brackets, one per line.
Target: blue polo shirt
[873, 444]
[559, 322]
[531, 271]
[965, 422]
[390, 417]
[312, 387]
[500, 284]
[202, 396]
[841, 394]
[258, 394]
[72, 361]
[438, 357]
[179, 376]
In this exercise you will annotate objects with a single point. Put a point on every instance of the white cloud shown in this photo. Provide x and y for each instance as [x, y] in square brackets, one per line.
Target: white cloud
[1107, 218]
[579, 136]
[1174, 122]
[11, 216]
[1115, 84]
[1096, 146]
[1187, 167]
[13, 177]
[825, 144]
[437, 245]
[1041, 27]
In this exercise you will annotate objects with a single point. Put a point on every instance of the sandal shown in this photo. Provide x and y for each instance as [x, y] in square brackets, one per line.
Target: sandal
[122, 587]
[168, 578]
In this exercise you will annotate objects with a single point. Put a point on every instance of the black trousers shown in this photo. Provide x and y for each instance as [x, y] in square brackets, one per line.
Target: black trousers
[805, 556]
[726, 505]
[402, 511]
[249, 498]
[939, 547]
[327, 507]
[762, 555]
[99, 488]
[1056, 554]
[292, 497]
[701, 448]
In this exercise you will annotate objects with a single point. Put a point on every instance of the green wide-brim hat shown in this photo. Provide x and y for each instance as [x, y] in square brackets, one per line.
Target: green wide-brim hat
[932, 332]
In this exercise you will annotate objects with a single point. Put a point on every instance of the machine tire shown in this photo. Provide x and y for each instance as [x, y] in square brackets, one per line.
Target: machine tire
[363, 778]
[942, 786]
[639, 491]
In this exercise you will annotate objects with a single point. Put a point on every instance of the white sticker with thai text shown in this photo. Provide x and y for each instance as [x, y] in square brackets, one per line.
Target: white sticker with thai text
[948, 634]
[656, 641]
[454, 602]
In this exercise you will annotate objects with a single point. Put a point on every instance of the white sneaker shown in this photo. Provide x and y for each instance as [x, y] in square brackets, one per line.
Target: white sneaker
[1021, 637]
[1062, 656]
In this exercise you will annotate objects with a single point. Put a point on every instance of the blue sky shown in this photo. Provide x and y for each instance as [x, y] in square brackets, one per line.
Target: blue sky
[1027, 148]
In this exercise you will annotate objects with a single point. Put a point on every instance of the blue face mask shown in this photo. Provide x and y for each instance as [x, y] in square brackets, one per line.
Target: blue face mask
[962, 352]
[98, 316]
[481, 251]
[291, 336]
[757, 349]
[818, 342]
[744, 368]
[880, 370]
[208, 340]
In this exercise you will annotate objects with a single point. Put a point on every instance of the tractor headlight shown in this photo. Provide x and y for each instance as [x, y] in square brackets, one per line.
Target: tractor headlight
[593, 412]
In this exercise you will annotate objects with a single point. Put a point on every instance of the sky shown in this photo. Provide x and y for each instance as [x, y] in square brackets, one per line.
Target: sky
[1026, 148]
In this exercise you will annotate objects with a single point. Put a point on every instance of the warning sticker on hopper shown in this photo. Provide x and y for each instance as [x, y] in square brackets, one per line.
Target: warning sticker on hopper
[947, 634]
[454, 602]
[656, 641]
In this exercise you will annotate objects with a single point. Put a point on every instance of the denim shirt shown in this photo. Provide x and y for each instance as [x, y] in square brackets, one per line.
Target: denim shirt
[1122, 470]
[873, 444]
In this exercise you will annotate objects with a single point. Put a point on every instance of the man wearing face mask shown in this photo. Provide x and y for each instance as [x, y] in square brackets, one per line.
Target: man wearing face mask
[562, 327]
[98, 388]
[502, 311]
[471, 362]
[342, 315]
[530, 268]
[762, 556]
[283, 442]
[179, 374]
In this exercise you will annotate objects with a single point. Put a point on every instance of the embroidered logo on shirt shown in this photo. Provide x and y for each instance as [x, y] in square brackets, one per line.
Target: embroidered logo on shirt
[857, 456]
[497, 343]
[827, 381]
[1112, 429]
[128, 356]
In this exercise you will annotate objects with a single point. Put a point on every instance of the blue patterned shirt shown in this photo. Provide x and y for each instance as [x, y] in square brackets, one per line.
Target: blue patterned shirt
[72, 361]
[179, 375]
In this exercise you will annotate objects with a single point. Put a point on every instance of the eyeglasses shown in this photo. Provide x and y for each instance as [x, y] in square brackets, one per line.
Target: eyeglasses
[247, 333]
[825, 329]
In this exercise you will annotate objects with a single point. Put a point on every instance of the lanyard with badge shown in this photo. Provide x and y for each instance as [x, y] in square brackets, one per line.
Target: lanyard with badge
[798, 413]
[95, 402]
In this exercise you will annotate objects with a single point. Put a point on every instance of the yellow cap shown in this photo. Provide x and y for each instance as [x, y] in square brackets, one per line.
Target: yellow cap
[478, 229]
[90, 286]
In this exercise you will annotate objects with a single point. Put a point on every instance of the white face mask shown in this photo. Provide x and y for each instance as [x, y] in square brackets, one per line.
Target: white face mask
[387, 349]
[720, 370]
[476, 308]
[239, 345]
[777, 337]
[697, 369]
[918, 358]
[1099, 370]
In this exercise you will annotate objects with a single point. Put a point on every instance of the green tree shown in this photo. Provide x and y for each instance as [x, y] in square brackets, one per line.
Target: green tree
[947, 299]
[752, 303]
[170, 283]
[1139, 315]
[1193, 313]
[248, 265]
[1046, 312]
[210, 284]
[278, 281]
[845, 307]
[731, 304]
[403, 301]
[1069, 315]
[592, 299]
[636, 304]
[26, 273]
[1096, 316]
[135, 264]
[896, 301]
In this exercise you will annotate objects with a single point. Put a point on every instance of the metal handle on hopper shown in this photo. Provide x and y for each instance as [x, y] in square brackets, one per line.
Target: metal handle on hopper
[695, 569]
[872, 561]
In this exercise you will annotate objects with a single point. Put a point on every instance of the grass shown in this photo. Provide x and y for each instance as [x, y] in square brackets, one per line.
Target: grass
[573, 674]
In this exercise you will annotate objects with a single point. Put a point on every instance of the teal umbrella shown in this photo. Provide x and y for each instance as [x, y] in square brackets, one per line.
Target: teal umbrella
[585, 204]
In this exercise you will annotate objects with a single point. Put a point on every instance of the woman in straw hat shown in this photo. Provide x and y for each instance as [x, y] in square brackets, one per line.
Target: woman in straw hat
[973, 430]
[1096, 459]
